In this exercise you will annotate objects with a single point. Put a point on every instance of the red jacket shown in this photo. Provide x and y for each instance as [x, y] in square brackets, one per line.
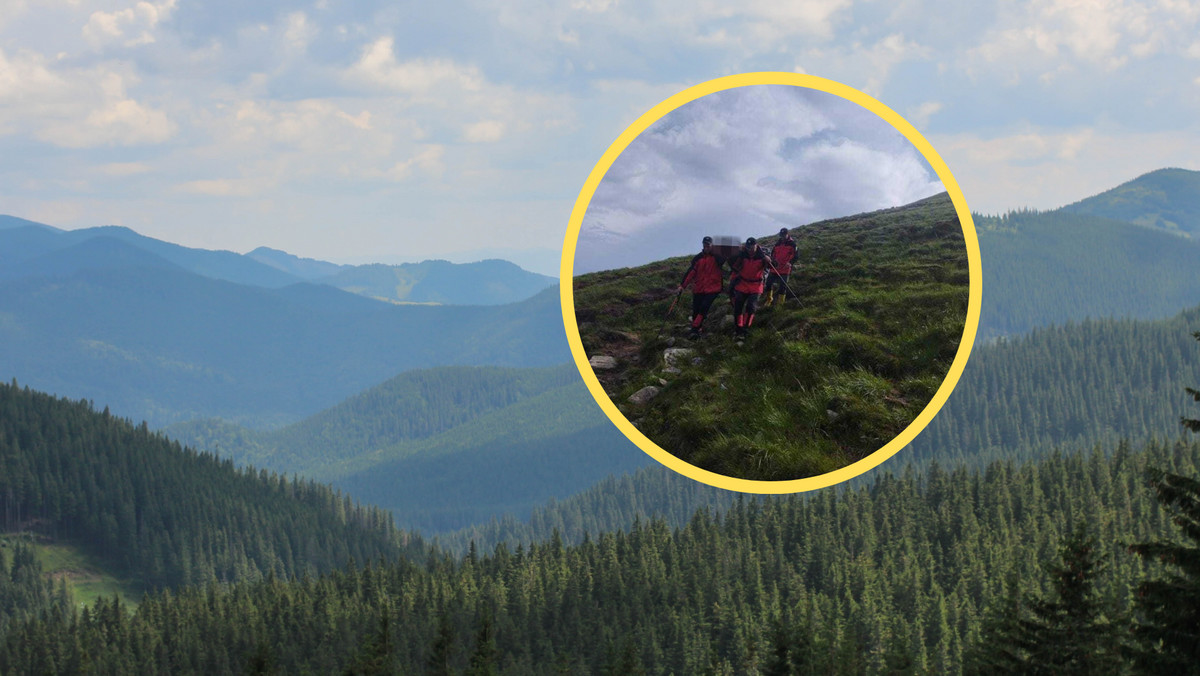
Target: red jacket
[706, 273]
[783, 254]
[750, 270]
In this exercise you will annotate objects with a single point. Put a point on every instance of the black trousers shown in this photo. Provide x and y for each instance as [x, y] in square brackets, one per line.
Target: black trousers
[744, 303]
[700, 305]
[774, 280]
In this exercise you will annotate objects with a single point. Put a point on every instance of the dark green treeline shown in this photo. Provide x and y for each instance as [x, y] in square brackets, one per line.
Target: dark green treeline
[1097, 381]
[165, 515]
[894, 577]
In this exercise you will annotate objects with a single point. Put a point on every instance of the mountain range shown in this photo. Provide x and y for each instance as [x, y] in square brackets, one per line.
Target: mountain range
[156, 341]
[167, 333]
[34, 249]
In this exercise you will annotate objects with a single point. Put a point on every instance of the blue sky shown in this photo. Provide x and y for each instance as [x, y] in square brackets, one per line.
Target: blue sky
[367, 131]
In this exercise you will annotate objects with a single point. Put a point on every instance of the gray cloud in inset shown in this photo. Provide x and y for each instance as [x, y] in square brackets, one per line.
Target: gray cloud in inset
[745, 162]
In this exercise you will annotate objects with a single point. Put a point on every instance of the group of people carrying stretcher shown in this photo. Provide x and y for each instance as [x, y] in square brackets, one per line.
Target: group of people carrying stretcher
[753, 272]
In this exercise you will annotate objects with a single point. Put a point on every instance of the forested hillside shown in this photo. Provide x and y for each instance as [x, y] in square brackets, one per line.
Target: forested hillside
[413, 405]
[1067, 386]
[895, 577]
[444, 448]
[505, 462]
[1048, 268]
[166, 515]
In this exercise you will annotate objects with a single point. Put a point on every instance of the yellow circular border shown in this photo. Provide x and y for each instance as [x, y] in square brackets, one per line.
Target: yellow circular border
[566, 285]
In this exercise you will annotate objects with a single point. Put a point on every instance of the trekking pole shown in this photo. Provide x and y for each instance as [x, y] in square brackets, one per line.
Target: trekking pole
[672, 308]
[667, 317]
[782, 281]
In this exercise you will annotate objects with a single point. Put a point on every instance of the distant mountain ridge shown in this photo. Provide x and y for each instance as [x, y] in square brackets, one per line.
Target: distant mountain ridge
[27, 249]
[1042, 268]
[488, 282]
[167, 345]
[309, 269]
[1166, 199]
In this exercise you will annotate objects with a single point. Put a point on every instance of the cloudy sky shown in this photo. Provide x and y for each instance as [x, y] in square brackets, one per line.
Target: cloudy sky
[746, 162]
[357, 131]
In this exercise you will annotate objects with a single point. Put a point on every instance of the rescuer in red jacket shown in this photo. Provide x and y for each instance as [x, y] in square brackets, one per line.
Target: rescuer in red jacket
[749, 267]
[706, 278]
[782, 256]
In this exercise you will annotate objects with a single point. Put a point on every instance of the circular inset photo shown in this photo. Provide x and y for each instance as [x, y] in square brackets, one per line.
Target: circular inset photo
[771, 282]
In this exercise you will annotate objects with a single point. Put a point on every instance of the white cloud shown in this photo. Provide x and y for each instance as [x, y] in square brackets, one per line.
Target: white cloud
[129, 27]
[299, 32]
[518, 100]
[119, 122]
[428, 160]
[122, 169]
[1046, 169]
[593, 5]
[25, 77]
[1043, 37]
[867, 67]
[753, 159]
[379, 67]
[319, 126]
[75, 108]
[486, 131]
[772, 20]
[225, 187]
[921, 115]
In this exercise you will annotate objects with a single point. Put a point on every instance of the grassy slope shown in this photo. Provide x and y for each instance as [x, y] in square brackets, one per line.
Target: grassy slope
[86, 576]
[818, 385]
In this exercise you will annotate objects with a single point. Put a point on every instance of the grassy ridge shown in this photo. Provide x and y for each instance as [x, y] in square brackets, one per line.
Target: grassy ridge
[820, 383]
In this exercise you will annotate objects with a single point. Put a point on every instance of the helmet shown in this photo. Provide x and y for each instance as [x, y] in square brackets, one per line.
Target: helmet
[750, 241]
[706, 240]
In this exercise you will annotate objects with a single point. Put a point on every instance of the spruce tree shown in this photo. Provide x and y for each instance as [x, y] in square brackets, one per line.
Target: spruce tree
[1077, 632]
[1072, 632]
[1192, 424]
[484, 659]
[1168, 627]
